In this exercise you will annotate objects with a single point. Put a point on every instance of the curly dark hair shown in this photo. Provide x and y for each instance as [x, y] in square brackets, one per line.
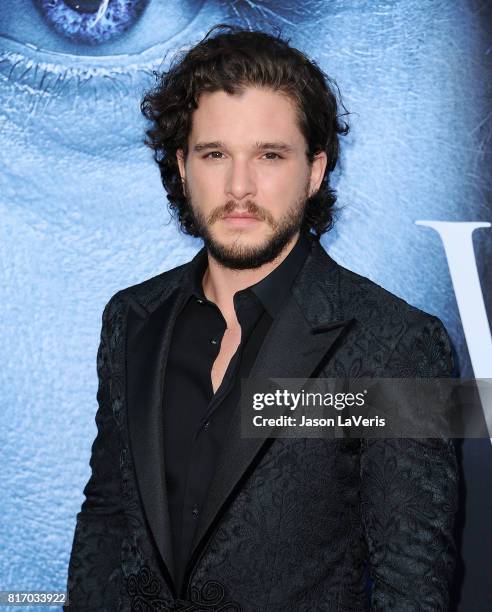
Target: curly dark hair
[229, 59]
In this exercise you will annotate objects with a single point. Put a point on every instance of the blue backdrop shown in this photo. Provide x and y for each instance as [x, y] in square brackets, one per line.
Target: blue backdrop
[83, 214]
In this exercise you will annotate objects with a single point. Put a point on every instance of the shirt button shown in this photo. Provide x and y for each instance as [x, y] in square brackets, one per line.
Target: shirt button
[213, 341]
[206, 425]
[199, 301]
[195, 512]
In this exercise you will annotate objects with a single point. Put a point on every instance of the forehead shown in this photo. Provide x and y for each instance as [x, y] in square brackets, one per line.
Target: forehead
[253, 114]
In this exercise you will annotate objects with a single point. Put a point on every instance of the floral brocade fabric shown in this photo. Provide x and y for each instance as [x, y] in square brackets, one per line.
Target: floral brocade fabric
[313, 521]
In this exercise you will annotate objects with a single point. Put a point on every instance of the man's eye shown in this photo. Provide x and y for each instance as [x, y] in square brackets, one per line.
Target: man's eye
[217, 155]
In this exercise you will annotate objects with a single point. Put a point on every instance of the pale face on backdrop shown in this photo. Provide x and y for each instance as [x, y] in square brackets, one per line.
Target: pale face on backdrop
[246, 173]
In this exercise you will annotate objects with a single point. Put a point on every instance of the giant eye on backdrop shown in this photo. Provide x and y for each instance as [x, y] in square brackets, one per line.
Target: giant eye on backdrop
[88, 48]
[95, 27]
[91, 21]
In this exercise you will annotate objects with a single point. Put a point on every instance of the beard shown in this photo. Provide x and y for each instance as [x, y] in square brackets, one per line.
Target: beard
[237, 256]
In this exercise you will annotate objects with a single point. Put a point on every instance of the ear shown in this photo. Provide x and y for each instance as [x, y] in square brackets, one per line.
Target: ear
[318, 168]
[181, 163]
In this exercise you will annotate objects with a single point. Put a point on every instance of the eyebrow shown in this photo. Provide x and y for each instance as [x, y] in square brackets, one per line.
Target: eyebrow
[259, 146]
[274, 146]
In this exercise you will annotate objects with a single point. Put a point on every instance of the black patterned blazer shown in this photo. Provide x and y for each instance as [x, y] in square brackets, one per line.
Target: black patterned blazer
[289, 525]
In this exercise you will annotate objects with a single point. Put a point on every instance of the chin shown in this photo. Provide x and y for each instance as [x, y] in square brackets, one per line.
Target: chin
[245, 238]
[246, 251]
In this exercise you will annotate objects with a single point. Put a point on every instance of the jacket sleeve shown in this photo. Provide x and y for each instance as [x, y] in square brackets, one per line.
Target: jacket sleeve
[409, 492]
[94, 567]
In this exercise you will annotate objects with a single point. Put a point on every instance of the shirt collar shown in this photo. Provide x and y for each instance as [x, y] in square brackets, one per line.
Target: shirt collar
[272, 290]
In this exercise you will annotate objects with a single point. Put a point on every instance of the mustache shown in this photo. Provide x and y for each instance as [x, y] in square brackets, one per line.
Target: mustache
[250, 207]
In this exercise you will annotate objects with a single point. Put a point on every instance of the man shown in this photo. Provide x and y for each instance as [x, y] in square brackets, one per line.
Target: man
[181, 511]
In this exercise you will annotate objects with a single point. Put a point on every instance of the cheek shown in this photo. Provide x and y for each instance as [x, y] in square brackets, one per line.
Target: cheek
[283, 184]
[203, 185]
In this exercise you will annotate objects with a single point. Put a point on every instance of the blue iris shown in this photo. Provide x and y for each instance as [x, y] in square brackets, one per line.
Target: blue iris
[92, 22]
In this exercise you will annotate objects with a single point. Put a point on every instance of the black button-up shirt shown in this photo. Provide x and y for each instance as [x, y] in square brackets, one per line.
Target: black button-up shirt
[196, 419]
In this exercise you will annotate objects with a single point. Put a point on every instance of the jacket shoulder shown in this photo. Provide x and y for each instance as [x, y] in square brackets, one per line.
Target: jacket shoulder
[148, 292]
[417, 341]
[372, 304]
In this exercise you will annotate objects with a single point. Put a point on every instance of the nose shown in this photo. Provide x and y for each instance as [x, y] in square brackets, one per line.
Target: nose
[241, 181]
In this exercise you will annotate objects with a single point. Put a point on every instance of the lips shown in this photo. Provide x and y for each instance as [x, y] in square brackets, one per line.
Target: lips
[238, 215]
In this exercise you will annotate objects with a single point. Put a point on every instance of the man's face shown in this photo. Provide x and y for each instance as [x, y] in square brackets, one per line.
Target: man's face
[247, 176]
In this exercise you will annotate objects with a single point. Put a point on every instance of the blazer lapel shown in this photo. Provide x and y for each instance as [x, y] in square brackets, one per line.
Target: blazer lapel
[300, 338]
[148, 340]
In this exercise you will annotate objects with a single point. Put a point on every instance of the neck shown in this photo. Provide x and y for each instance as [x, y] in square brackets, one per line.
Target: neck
[221, 283]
